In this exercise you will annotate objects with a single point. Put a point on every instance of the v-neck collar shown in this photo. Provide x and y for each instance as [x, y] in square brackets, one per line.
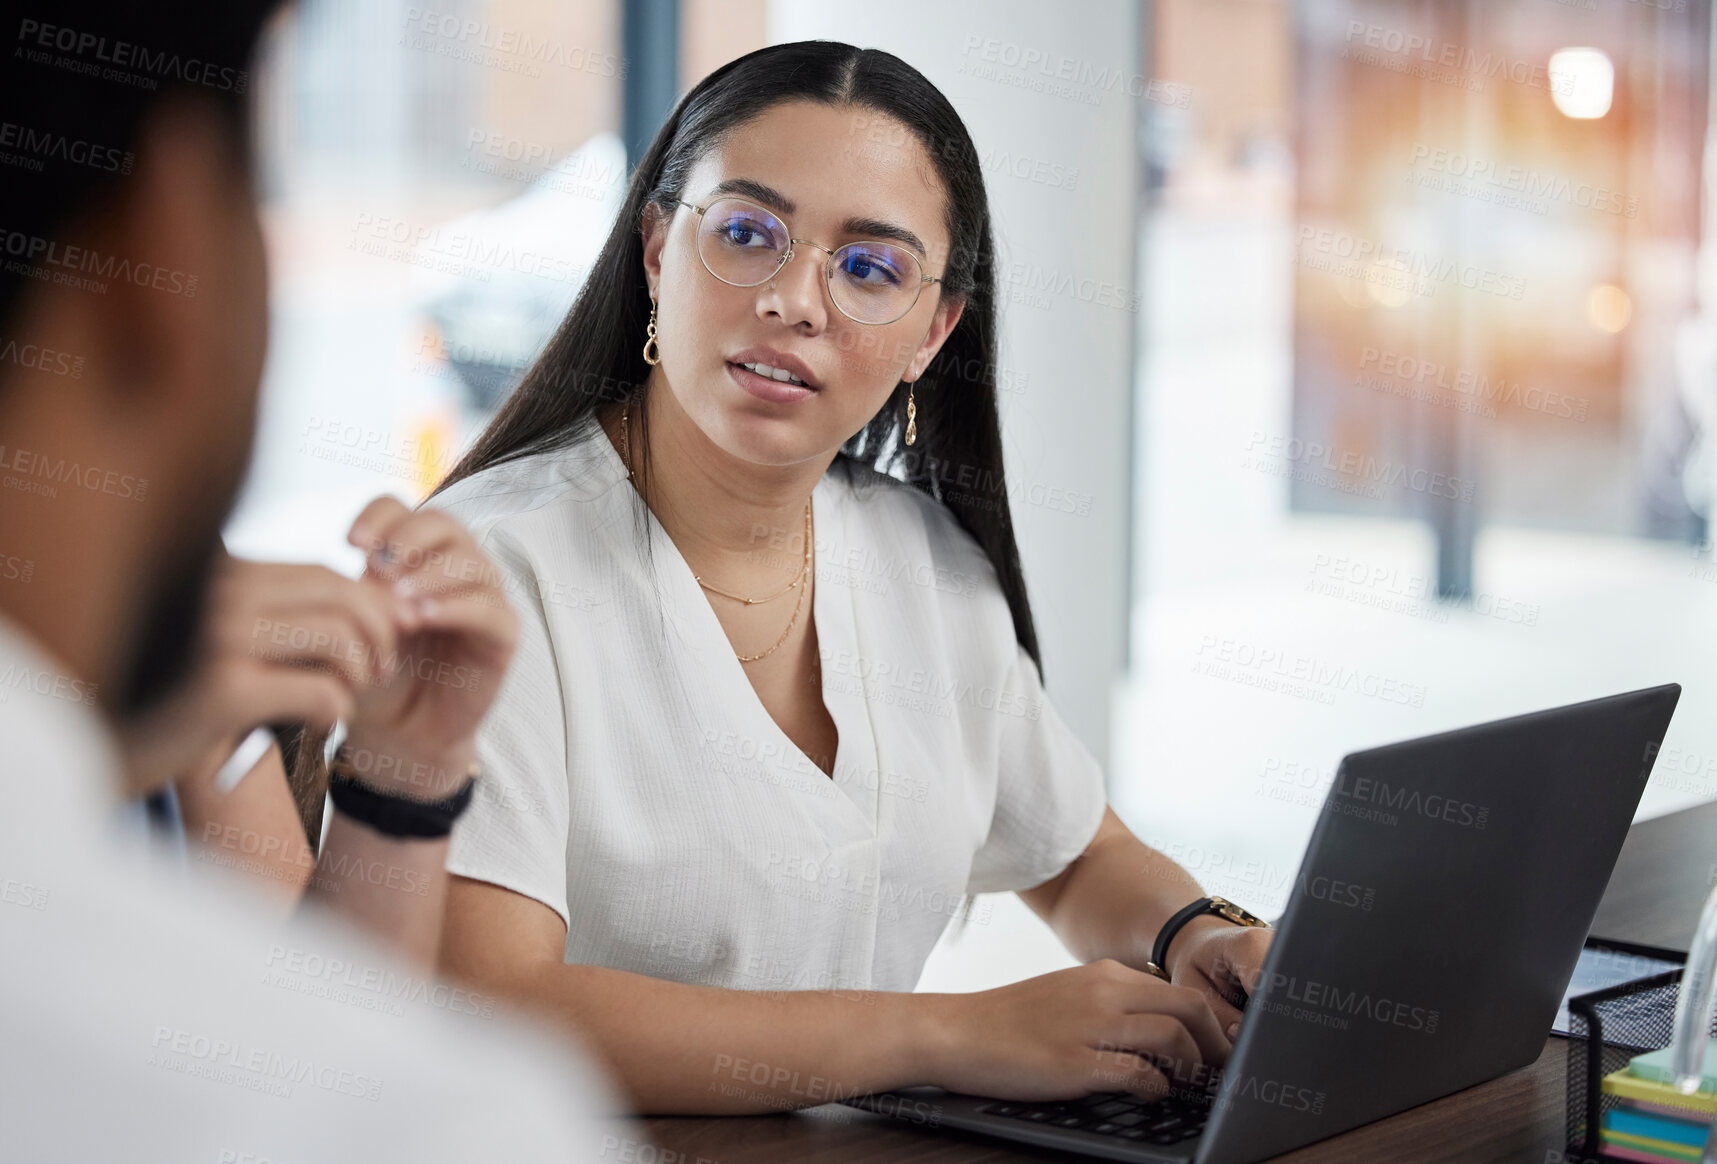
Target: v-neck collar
[832, 614]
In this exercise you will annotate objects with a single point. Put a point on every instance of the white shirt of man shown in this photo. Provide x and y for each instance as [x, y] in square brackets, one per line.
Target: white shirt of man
[147, 1015]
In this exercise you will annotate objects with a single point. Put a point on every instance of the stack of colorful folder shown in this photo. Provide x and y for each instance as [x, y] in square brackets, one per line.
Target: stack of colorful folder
[1649, 1119]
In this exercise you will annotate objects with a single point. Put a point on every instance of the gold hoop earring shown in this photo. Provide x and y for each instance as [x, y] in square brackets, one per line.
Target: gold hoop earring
[911, 413]
[650, 340]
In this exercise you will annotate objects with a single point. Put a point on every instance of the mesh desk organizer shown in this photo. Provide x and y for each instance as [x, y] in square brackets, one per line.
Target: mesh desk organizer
[1610, 1027]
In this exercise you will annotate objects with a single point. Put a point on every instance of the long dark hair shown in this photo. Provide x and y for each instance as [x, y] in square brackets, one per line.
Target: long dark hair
[597, 353]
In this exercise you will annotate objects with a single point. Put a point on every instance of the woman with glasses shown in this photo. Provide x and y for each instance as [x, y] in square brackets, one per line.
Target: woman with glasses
[776, 711]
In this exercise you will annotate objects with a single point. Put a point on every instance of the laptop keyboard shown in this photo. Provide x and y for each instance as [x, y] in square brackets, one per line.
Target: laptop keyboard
[1116, 1113]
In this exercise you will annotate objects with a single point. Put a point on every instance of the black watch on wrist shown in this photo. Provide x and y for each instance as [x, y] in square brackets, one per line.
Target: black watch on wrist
[1220, 906]
[394, 815]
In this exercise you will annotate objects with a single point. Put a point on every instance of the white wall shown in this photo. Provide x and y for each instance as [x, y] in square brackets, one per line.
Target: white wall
[1051, 104]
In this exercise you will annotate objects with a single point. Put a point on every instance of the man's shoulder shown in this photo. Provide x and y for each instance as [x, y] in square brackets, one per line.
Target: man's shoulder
[168, 999]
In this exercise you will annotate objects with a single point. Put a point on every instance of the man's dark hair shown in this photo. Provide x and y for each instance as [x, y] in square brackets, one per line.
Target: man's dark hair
[78, 78]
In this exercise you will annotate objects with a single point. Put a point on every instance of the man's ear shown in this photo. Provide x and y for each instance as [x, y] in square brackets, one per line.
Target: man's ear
[942, 323]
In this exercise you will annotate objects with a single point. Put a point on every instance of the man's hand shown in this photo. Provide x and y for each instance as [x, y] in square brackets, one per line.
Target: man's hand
[279, 643]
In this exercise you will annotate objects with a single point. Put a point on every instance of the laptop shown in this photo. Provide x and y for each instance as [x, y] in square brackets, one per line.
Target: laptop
[1483, 853]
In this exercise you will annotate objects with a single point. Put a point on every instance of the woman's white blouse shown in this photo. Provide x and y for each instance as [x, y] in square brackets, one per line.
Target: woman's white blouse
[635, 783]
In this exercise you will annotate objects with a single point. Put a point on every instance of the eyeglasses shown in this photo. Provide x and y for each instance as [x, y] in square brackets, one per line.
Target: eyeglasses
[744, 245]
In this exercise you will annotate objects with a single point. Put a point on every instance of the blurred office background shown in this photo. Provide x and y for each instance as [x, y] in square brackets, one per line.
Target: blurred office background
[1359, 366]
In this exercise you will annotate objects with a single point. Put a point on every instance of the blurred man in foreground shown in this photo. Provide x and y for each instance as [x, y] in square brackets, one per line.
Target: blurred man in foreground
[149, 1016]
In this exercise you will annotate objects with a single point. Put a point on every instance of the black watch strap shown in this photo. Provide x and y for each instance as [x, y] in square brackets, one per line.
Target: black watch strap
[398, 816]
[1160, 950]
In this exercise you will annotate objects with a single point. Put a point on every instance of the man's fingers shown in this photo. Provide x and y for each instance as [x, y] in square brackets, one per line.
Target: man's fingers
[372, 612]
[265, 601]
[277, 694]
[332, 640]
[368, 607]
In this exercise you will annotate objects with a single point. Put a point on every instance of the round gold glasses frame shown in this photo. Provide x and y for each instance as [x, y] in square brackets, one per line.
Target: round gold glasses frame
[787, 256]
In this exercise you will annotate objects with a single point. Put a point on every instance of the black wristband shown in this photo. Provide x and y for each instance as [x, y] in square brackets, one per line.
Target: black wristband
[1160, 949]
[398, 816]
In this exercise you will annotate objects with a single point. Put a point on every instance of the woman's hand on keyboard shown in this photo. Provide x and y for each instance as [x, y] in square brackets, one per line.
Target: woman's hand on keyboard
[1098, 1027]
[1222, 962]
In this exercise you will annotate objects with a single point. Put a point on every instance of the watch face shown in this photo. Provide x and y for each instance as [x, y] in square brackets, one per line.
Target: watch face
[1234, 913]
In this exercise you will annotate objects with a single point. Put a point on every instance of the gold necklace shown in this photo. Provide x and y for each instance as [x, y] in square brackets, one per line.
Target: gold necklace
[797, 603]
[804, 565]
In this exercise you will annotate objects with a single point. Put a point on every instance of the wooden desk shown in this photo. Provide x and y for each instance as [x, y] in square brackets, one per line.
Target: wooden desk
[1651, 899]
